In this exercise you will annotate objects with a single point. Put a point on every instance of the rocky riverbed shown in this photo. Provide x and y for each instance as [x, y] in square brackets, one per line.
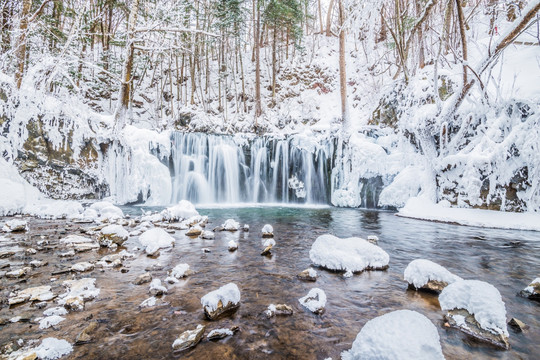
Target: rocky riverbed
[115, 308]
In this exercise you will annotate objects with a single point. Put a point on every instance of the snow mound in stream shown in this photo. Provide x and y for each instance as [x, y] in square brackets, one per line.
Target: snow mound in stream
[227, 294]
[401, 334]
[351, 254]
[420, 271]
[183, 210]
[154, 239]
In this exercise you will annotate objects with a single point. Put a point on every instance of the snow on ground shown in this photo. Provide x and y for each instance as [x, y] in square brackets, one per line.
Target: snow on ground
[154, 239]
[226, 294]
[420, 271]
[401, 334]
[351, 254]
[480, 299]
[423, 209]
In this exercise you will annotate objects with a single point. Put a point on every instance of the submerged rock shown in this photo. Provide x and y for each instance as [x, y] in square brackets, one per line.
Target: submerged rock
[354, 254]
[221, 301]
[38, 293]
[314, 301]
[85, 336]
[532, 291]
[308, 275]
[267, 231]
[189, 338]
[426, 275]
[401, 334]
[15, 225]
[476, 308]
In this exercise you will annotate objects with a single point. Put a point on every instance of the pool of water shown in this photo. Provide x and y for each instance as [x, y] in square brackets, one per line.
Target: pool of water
[507, 259]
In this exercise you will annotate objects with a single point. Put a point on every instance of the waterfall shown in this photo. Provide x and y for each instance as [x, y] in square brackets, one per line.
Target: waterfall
[227, 169]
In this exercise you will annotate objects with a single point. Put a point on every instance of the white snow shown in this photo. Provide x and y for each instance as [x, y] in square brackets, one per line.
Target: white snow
[55, 311]
[15, 225]
[354, 254]
[480, 299]
[227, 332]
[422, 208]
[115, 231]
[401, 334]
[226, 294]
[50, 321]
[232, 245]
[106, 210]
[82, 266]
[157, 288]
[151, 301]
[84, 289]
[314, 301]
[154, 239]
[530, 289]
[51, 349]
[268, 242]
[183, 210]
[180, 271]
[420, 271]
[231, 225]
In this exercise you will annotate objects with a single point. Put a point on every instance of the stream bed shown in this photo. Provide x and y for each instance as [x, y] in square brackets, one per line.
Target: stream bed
[509, 260]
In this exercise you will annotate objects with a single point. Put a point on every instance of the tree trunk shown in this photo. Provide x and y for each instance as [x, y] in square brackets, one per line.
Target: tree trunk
[320, 17]
[125, 87]
[274, 61]
[421, 55]
[258, 106]
[329, 18]
[7, 15]
[463, 35]
[21, 43]
[342, 70]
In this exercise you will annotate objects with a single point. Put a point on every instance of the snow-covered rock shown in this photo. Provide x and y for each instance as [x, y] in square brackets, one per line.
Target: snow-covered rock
[195, 230]
[267, 231]
[38, 293]
[189, 338]
[427, 275]
[309, 274]
[180, 271]
[78, 292]
[51, 349]
[82, 267]
[156, 288]
[476, 308]
[154, 239]
[15, 225]
[532, 291]
[183, 210]
[279, 310]
[151, 301]
[50, 321]
[232, 245]
[354, 254]
[208, 235]
[401, 334]
[230, 225]
[217, 334]
[220, 301]
[113, 233]
[107, 210]
[314, 301]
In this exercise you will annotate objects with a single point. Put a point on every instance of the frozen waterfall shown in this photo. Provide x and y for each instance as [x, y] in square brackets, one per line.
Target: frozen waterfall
[227, 169]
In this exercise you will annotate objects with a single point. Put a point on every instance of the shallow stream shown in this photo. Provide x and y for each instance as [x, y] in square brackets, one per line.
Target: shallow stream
[507, 259]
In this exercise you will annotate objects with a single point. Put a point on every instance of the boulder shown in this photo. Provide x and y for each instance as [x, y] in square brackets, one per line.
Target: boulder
[15, 225]
[518, 325]
[267, 231]
[195, 230]
[19, 273]
[115, 234]
[38, 293]
[232, 245]
[82, 267]
[189, 338]
[278, 310]
[85, 336]
[230, 225]
[218, 334]
[208, 235]
[224, 300]
[532, 291]
[156, 288]
[374, 239]
[143, 279]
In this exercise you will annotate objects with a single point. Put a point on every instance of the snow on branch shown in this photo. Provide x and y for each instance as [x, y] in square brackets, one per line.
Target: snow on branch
[181, 30]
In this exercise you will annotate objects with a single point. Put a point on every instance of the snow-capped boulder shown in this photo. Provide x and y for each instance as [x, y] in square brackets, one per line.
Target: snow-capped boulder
[374, 239]
[268, 245]
[183, 210]
[208, 235]
[246, 227]
[267, 231]
[15, 225]
[82, 267]
[189, 338]
[401, 334]
[476, 308]
[230, 225]
[308, 275]
[220, 301]
[532, 291]
[49, 349]
[79, 243]
[351, 254]
[217, 334]
[423, 274]
[314, 301]
[154, 239]
[113, 234]
[181, 271]
[278, 310]
[156, 289]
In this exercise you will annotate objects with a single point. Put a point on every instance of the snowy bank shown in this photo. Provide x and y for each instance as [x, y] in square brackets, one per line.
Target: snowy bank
[423, 209]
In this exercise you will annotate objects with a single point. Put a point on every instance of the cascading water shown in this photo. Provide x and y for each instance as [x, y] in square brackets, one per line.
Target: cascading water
[226, 169]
